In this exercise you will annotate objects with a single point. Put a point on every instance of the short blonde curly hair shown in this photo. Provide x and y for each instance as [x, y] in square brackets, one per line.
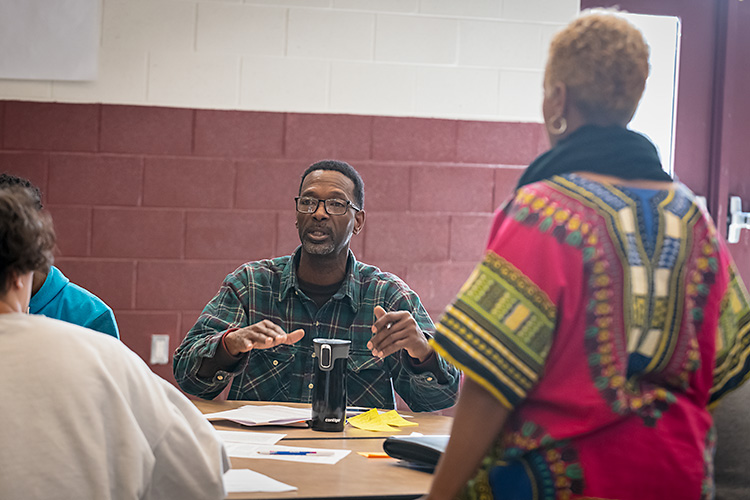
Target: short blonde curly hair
[603, 61]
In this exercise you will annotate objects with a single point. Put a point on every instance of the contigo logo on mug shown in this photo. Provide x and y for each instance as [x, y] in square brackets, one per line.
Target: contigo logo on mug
[332, 420]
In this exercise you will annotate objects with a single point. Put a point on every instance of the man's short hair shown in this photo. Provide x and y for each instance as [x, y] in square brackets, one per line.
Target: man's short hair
[344, 168]
[26, 235]
[8, 180]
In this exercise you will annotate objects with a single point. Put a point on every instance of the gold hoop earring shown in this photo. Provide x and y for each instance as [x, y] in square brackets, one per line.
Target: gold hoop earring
[560, 129]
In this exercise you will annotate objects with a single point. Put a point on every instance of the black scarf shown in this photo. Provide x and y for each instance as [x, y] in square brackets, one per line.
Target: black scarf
[614, 151]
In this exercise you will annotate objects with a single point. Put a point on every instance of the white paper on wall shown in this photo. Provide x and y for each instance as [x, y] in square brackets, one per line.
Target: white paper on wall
[49, 39]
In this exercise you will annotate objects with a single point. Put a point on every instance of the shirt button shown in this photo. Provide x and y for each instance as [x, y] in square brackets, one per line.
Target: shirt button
[313, 355]
[220, 377]
[317, 323]
[429, 379]
[310, 386]
[275, 362]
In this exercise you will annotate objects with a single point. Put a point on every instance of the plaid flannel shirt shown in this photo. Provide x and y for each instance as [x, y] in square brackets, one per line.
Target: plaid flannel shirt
[268, 289]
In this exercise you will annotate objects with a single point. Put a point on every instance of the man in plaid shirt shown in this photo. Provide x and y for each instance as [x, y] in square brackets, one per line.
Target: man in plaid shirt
[257, 331]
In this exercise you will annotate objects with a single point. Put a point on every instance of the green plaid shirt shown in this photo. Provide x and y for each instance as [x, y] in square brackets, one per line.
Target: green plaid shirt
[268, 289]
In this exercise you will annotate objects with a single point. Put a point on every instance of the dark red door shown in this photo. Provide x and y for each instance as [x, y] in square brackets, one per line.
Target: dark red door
[732, 168]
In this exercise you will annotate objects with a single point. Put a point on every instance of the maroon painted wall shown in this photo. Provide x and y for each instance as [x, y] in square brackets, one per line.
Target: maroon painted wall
[154, 206]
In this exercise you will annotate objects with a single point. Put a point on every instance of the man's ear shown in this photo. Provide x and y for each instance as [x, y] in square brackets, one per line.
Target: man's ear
[18, 281]
[15, 281]
[359, 221]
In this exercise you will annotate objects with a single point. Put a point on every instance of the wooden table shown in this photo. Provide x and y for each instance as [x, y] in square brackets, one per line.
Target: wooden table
[354, 477]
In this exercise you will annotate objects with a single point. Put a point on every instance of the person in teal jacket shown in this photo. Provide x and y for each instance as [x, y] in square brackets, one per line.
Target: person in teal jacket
[54, 296]
[58, 298]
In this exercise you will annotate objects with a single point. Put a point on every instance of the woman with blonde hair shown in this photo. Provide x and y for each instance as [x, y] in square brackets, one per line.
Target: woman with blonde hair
[606, 316]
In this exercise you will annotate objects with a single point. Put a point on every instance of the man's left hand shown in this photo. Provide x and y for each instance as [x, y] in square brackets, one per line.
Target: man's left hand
[396, 330]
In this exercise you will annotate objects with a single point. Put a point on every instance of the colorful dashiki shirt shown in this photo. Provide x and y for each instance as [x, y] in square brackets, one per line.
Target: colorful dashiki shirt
[608, 319]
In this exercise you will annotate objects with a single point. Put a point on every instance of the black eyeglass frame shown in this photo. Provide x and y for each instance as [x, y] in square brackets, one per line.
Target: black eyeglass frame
[349, 204]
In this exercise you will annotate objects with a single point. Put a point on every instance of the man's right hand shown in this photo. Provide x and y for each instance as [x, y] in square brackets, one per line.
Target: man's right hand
[261, 335]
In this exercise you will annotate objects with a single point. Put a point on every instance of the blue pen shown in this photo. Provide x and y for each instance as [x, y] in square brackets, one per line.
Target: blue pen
[295, 453]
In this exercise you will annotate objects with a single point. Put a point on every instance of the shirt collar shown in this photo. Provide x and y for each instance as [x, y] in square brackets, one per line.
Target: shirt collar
[350, 288]
[52, 285]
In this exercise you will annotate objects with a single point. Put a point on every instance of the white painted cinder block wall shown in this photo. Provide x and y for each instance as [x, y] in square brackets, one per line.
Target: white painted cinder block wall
[470, 59]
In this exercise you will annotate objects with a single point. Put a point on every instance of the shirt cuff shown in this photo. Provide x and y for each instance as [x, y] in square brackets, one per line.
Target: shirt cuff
[430, 364]
[221, 360]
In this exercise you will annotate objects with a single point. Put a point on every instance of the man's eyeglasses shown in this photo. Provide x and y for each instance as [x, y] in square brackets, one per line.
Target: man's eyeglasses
[333, 206]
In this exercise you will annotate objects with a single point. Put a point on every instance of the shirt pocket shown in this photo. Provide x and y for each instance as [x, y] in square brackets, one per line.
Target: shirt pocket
[369, 382]
[270, 376]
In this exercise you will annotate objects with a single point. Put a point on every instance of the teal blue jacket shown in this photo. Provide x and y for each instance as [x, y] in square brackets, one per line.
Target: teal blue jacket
[58, 298]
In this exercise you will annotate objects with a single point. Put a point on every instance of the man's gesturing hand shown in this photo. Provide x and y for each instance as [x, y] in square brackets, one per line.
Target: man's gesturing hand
[261, 335]
[397, 330]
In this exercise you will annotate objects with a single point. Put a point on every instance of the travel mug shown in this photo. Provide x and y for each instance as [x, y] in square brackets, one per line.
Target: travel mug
[329, 384]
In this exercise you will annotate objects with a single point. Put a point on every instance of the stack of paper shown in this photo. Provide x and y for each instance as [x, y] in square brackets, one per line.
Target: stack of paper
[264, 415]
[247, 444]
[250, 437]
[285, 453]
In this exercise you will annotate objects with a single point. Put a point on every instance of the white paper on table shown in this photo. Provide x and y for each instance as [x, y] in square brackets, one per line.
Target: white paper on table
[238, 450]
[248, 481]
[263, 415]
[250, 437]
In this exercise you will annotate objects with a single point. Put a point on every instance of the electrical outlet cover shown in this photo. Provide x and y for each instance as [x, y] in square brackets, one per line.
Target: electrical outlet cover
[159, 349]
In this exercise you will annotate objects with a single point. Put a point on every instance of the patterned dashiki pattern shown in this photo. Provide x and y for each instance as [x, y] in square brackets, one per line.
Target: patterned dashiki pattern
[608, 322]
